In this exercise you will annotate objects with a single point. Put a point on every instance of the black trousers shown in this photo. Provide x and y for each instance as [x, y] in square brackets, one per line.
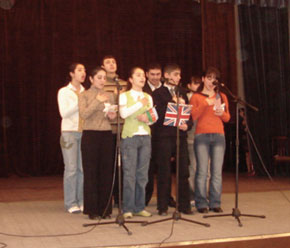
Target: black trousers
[97, 156]
[151, 176]
[165, 147]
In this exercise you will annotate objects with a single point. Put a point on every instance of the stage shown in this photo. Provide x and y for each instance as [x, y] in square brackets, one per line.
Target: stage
[40, 221]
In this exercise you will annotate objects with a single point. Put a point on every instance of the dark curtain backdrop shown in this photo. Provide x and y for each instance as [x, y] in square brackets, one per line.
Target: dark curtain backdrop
[219, 44]
[40, 38]
[265, 54]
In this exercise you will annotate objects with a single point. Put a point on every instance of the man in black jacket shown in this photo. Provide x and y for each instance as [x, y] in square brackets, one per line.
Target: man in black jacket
[165, 145]
[153, 74]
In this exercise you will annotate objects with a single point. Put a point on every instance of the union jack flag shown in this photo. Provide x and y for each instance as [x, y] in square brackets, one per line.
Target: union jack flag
[171, 114]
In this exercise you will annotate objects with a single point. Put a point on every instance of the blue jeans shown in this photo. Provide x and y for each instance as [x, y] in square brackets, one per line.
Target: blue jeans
[191, 169]
[209, 147]
[70, 143]
[136, 153]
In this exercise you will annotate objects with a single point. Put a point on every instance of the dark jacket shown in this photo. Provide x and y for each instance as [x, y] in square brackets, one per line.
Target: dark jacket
[161, 97]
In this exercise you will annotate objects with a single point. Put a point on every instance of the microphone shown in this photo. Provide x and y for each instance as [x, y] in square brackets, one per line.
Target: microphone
[217, 83]
[167, 81]
[116, 79]
[164, 80]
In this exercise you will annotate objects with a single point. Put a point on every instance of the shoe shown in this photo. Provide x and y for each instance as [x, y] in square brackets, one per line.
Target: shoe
[128, 215]
[82, 208]
[251, 173]
[192, 203]
[74, 210]
[187, 211]
[116, 205]
[202, 210]
[143, 213]
[216, 210]
[106, 217]
[163, 212]
[172, 203]
[94, 217]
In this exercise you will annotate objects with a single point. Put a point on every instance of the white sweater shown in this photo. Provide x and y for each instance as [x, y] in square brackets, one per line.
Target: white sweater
[68, 107]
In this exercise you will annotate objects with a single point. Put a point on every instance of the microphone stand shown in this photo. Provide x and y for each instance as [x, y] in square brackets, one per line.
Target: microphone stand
[120, 220]
[176, 214]
[236, 213]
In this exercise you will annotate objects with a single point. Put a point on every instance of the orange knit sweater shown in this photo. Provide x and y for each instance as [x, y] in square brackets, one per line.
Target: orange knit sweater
[207, 121]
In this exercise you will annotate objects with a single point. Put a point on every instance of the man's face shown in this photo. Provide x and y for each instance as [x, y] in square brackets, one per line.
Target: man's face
[110, 65]
[79, 73]
[154, 76]
[174, 76]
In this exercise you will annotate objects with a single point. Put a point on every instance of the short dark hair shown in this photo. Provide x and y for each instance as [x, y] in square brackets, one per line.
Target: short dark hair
[73, 66]
[107, 57]
[171, 67]
[153, 66]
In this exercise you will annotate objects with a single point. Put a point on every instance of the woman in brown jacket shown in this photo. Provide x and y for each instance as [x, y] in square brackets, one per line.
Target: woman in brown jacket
[97, 146]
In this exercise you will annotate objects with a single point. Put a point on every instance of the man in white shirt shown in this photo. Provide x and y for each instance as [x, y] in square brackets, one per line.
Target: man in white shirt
[71, 133]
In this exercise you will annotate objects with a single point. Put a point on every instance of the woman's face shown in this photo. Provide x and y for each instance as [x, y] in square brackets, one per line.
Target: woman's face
[79, 73]
[99, 79]
[208, 81]
[193, 86]
[137, 79]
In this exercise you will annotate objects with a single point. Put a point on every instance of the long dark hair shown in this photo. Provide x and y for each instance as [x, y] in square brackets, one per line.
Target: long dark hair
[211, 70]
[96, 70]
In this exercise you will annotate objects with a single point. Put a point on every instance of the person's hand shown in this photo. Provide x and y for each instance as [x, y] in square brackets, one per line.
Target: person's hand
[143, 118]
[219, 112]
[102, 97]
[112, 115]
[143, 100]
[183, 127]
[181, 100]
[174, 99]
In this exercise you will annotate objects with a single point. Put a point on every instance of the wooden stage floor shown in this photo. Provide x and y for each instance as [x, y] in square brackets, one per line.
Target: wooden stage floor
[32, 215]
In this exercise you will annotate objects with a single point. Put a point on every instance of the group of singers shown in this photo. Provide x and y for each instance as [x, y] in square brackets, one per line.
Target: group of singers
[88, 139]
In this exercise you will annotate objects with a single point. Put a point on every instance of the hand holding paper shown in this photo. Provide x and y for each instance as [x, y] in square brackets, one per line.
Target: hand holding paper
[110, 108]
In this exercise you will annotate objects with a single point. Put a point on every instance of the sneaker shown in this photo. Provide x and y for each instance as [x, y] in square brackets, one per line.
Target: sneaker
[128, 215]
[162, 212]
[216, 210]
[202, 210]
[187, 211]
[143, 213]
[172, 202]
[74, 210]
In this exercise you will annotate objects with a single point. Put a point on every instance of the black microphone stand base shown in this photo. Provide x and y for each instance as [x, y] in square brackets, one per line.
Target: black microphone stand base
[175, 216]
[120, 220]
[236, 214]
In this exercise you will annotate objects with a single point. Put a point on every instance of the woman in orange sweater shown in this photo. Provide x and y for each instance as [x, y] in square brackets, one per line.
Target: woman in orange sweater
[210, 109]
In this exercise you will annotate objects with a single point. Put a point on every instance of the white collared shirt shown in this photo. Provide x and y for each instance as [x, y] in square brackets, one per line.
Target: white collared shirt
[152, 87]
[171, 88]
